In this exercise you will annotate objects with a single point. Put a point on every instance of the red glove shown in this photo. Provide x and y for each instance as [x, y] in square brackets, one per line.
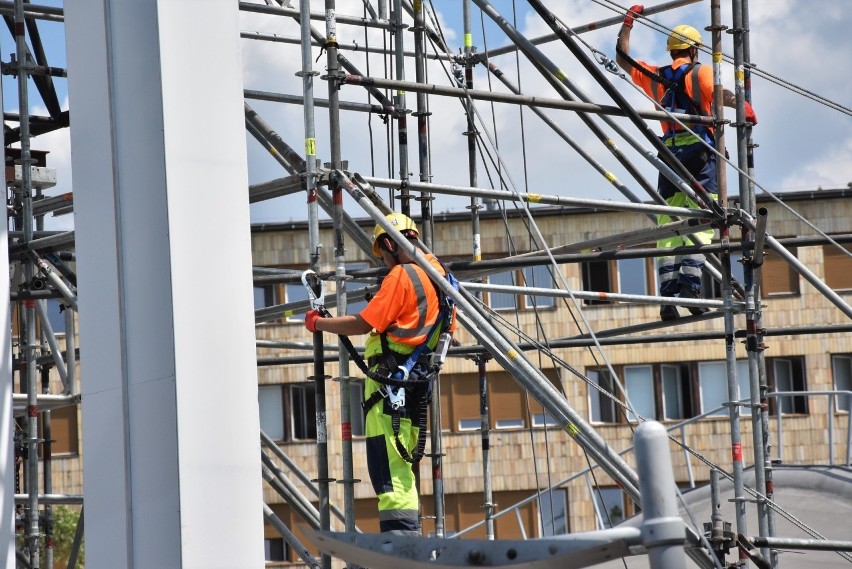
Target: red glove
[749, 114]
[634, 11]
[311, 318]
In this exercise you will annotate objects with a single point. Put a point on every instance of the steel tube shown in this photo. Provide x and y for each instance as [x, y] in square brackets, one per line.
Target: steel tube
[541, 102]
[548, 199]
[289, 537]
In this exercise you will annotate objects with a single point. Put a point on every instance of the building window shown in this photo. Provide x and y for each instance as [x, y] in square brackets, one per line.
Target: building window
[842, 369]
[838, 268]
[636, 276]
[612, 506]
[538, 277]
[603, 401]
[264, 296]
[63, 431]
[787, 374]
[598, 276]
[535, 277]
[713, 385]
[288, 412]
[303, 411]
[778, 276]
[639, 383]
[274, 549]
[677, 392]
[553, 507]
[712, 289]
[271, 401]
[509, 407]
[56, 315]
[624, 276]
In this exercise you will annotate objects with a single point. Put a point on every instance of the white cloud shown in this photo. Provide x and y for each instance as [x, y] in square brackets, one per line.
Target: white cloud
[832, 170]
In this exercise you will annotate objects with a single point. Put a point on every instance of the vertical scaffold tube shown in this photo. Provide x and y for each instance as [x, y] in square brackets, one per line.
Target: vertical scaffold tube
[29, 310]
[727, 291]
[485, 427]
[752, 271]
[399, 103]
[422, 114]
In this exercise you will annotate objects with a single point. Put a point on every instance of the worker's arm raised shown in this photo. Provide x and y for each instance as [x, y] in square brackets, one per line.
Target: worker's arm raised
[623, 43]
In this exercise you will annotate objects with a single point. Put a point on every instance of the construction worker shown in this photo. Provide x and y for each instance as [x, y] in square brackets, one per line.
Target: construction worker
[684, 86]
[402, 315]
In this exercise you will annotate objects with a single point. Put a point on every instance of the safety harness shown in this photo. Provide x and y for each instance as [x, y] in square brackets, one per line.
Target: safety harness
[414, 374]
[412, 378]
[669, 87]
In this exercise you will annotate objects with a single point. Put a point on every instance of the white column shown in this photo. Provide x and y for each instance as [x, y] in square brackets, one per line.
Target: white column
[168, 375]
[7, 430]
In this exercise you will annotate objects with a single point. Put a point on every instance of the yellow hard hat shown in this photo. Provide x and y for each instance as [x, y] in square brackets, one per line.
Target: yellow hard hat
[683, 37]
[401, 222]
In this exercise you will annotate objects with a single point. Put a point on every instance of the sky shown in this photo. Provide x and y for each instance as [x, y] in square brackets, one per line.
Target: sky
[802, 144]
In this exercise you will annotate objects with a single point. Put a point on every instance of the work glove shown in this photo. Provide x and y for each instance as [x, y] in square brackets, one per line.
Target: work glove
[749, 114]
[311, 318]
[634, 11]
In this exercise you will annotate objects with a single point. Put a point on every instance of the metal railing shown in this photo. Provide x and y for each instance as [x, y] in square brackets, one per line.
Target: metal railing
[688, 456]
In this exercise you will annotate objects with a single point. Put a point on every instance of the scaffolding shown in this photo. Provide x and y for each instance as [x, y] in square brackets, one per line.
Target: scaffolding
[43, 260]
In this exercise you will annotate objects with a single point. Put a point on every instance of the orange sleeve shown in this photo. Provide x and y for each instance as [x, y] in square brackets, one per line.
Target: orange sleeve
[641, 79]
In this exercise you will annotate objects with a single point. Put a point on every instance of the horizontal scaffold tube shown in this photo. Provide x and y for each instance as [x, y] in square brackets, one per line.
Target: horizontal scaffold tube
[294, 13]
[613, 21]
[541, 198]
[431, 89]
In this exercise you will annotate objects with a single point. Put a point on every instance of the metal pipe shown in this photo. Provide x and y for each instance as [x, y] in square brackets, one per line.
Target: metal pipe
[513, 361]
[289, 537]
[591, 26]
[296, 13]
[24, 194]
[77, 543]
[548, 199]
[49, 337]
[663, 532]
[285, 488]
[496, 97]
[399, 104]
[803, 544]
[297, 100]
[591, 295]
[343, 46]
[485, 426]
[33, 11]
[70, 353]
[46, 269]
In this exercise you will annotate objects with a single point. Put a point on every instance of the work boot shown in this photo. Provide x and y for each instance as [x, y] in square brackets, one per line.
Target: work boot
[689, 292]
[669, 312]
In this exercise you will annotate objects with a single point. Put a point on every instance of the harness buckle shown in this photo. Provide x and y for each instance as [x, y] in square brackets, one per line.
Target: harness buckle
[396, 396]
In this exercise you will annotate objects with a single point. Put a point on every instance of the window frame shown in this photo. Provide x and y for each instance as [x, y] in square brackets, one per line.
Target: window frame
[520, 277]
[838, 404]
[613, 277]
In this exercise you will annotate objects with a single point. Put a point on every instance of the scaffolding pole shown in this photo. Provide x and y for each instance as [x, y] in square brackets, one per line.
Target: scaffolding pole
[513, 361]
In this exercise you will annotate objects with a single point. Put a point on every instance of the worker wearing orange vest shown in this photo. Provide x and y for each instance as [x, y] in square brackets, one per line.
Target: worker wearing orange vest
[685, 86]
[404, 311]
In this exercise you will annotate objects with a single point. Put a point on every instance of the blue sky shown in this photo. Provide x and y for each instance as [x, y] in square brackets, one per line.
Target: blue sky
[802, 144]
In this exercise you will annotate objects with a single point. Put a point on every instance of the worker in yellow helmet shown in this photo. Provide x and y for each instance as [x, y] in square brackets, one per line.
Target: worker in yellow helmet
[684, 86]
[403, 314]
